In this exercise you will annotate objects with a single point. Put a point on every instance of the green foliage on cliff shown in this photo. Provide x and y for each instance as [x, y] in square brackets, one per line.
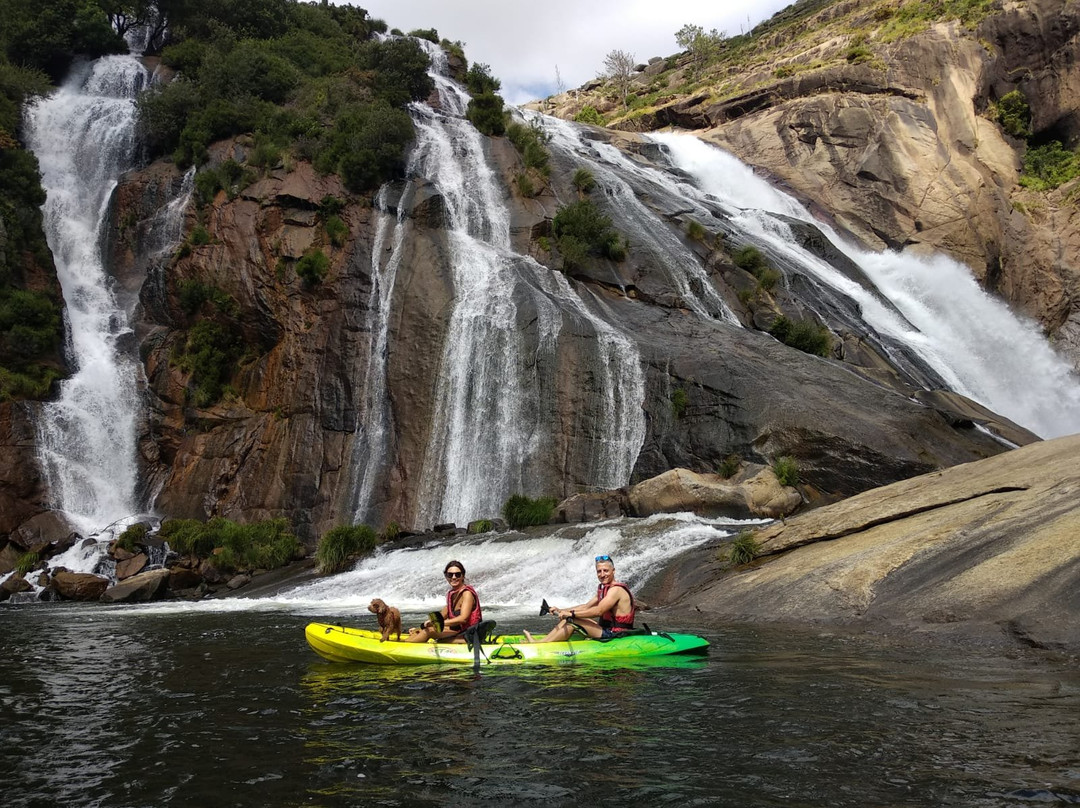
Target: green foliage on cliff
[1013, 112]
[132, 535]
[581, 231]
[485, 110]
[297, 76]
[743, 549]
[786, 470]
[312, 267]
[589, 115]
[338, 546]
[30, 333]
[530, 140]
[679, 400]
[232, 546]
[209, 354]
[521, 511]
[1049, 166]
[808, 337]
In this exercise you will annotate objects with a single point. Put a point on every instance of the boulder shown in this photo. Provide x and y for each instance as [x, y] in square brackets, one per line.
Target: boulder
[593, 506]
[9, 557]
[183, 578]
[79, 585]
[238, 581]
[14, 584]
[713, 495]
[38, 532]
[131, 566]
[139, 588]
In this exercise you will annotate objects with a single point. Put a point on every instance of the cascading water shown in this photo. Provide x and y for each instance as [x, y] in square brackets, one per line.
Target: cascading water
[611, 168]
[84, 138]
[932, 305]
[495, 380]
[371, 444]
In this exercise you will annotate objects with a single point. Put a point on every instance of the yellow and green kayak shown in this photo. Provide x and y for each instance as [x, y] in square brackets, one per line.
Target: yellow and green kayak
[343, 644]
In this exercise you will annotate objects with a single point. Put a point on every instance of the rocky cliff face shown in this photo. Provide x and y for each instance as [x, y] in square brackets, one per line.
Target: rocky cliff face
[282, 440]
[894, 140]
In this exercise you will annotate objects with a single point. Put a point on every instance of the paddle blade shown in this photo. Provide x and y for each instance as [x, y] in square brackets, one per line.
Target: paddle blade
[436, 619]
[544, 608]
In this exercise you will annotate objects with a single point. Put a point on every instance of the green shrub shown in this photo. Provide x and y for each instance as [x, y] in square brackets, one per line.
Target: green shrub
[582, 230]
[199, 236]
[786, 470]
[806, 336]
[679, 400]
[391, 531]
[1014, 114]
[767, 279]
[312, 267]
[336, 230]
[530, 140]
[207, 184]
[750, 258]
[743, 549]
[589, 115]
[260, 545]
[526, 187]
[479, 80]
[729, 466]
[481, 526]
[339, 545]
[430, 34]
[1047, 167]
[30, 329]
[25, 563]
[209, 355]
[583, 181]
[695, 230]
[858, 53]
[521, 511]
[193, 294]
[485, 112]
[366, 145]
[132, 535]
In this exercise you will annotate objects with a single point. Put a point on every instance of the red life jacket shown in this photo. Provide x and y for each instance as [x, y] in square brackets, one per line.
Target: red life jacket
[474, 617]
[616, 622]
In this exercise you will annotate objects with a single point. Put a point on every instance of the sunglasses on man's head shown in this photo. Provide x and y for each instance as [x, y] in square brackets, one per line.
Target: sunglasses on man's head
[454, 574]
[603, 558]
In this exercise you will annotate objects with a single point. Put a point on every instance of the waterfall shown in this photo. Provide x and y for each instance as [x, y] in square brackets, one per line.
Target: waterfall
[84, 138]
[495, 379]
[371, 446]
[647, 231]
[972, 340]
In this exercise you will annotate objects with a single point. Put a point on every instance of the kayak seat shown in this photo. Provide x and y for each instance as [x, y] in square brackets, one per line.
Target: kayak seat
[481, 633]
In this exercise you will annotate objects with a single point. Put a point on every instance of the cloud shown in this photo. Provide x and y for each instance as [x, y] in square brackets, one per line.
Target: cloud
[524, 43]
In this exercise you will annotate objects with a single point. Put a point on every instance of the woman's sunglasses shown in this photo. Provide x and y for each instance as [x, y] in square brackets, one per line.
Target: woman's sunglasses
[454, 574]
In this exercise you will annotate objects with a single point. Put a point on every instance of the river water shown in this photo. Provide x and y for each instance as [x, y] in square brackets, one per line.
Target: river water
[178, 705]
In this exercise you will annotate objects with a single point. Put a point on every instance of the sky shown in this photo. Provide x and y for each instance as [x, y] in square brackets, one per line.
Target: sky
[524, 42]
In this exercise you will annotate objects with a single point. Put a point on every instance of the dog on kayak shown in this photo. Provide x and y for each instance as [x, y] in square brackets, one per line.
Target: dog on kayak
[389, 619]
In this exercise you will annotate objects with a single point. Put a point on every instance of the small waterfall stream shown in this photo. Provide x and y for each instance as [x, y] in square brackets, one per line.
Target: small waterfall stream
[84, 137]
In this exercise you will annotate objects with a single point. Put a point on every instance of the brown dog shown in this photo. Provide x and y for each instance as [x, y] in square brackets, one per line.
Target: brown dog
[389, 619]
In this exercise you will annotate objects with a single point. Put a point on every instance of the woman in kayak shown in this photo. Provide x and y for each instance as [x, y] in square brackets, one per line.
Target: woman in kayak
[609, 612]
[462, 610]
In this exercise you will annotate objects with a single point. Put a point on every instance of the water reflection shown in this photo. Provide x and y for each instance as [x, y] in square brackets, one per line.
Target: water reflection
[120, 707]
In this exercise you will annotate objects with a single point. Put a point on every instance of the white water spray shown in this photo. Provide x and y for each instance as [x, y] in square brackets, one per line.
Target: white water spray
[84, 138]
[970, 338]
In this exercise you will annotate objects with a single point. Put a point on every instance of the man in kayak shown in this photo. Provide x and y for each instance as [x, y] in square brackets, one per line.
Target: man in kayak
[462, 610]
[607, 613]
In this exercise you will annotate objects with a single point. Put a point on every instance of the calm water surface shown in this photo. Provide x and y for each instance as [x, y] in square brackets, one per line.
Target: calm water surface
[120, 707]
